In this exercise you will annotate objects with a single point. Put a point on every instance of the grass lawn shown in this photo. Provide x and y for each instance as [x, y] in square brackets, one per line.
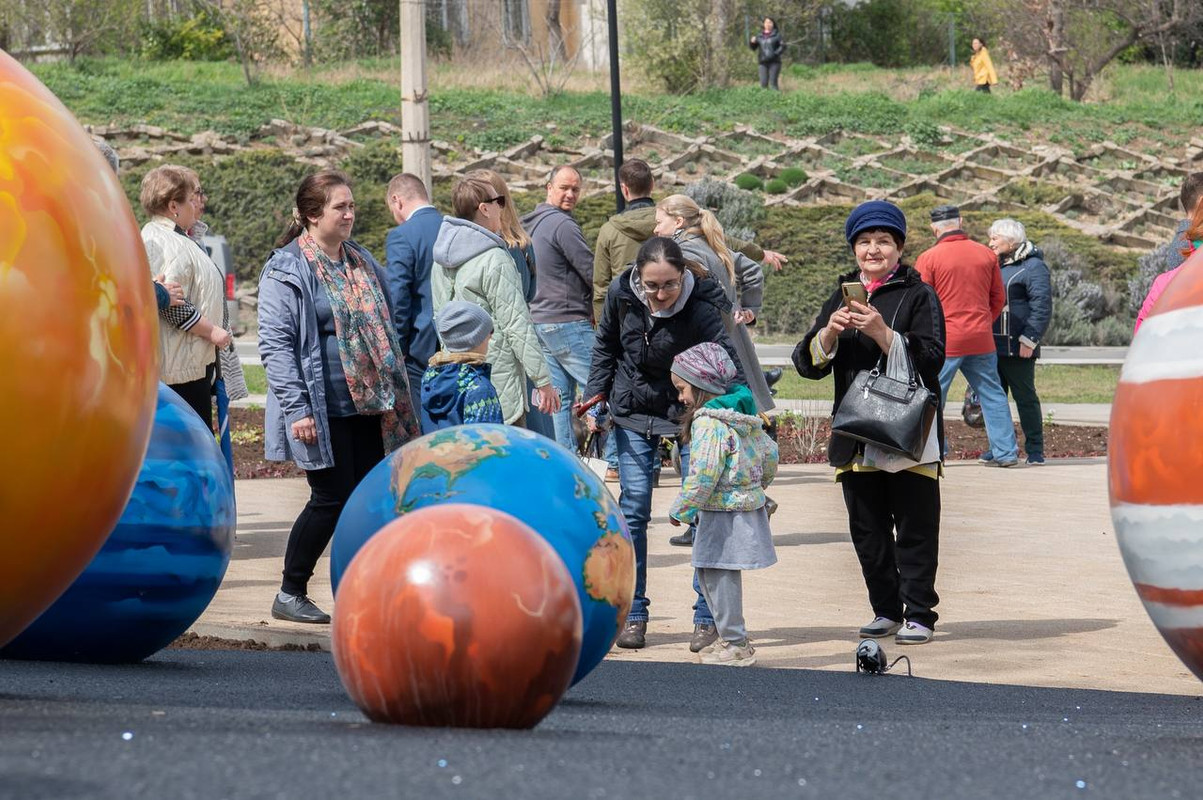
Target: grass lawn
[1055, 383]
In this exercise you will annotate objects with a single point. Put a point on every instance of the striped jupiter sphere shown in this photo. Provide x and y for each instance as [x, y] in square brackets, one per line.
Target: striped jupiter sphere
[1156, 464]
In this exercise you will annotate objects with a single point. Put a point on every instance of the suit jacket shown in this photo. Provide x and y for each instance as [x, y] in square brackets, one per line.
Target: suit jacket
[409, 249]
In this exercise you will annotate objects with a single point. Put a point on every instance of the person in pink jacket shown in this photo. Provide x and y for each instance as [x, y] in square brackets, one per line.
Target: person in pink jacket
[1194, 240]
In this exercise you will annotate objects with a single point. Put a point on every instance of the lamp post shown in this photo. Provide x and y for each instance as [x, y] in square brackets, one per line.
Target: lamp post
[615, 100]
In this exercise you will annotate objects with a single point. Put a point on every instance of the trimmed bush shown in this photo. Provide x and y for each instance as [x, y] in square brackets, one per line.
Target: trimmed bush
[776, 186]
[793, 176]
[748, 182]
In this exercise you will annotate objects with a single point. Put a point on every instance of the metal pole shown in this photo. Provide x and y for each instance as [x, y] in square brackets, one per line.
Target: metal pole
[615, 100]
[415, 112]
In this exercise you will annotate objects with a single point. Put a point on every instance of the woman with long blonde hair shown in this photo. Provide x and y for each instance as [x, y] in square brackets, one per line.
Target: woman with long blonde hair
[516, 239]
[701, 238]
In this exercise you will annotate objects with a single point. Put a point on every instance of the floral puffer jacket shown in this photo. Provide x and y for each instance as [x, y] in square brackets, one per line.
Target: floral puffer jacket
[731, 462]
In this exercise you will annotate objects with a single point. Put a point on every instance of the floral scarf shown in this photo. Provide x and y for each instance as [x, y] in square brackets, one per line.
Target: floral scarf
[367, 342]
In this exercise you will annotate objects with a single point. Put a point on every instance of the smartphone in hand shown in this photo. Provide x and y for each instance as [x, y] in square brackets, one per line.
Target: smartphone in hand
[854, 290]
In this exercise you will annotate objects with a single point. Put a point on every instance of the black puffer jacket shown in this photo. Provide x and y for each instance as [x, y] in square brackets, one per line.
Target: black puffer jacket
[909, 306]
[768, 47]
[633, 352]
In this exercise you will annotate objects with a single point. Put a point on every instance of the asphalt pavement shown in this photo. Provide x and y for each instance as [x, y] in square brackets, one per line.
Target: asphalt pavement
[193, 724]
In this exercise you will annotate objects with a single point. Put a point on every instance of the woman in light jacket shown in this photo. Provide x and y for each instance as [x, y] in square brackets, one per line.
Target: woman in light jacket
[472, 262]
[702, 240]
[189, 337]
[338, 394]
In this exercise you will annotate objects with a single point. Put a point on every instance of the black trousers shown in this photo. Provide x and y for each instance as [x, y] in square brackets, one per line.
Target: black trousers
[900, 573]
[769, 73]
[983, 87]
[357, 445]
[1018, 376]
[198, 394]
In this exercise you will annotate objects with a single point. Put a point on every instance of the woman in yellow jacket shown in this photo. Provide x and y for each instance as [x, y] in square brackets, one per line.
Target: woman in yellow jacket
[984, 75]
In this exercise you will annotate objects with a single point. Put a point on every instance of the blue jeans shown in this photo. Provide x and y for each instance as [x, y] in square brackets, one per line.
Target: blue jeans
[568, 348]
[701, 611]
[636, 453]
[982, 373]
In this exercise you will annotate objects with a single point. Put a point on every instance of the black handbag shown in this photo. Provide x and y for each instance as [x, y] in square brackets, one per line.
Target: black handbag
[894, 415]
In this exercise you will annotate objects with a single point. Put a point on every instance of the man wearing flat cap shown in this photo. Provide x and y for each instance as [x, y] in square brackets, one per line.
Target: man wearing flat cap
[967, 280]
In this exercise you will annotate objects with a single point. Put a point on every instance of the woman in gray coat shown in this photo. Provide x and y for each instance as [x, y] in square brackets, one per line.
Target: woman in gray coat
[702, 240]
[338, 394]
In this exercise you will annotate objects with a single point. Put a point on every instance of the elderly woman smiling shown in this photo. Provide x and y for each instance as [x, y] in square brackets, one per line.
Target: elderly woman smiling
[893, 516]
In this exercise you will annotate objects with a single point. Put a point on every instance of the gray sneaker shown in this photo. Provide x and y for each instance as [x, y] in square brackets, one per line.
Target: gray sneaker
[731, 654]
[914, 633]
[879, 627]
[634, 635]
[703, 636]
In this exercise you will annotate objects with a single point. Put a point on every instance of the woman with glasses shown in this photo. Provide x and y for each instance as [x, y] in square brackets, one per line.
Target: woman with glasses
[656, 309]
[472, 262]
[192, 332]
[338, 393]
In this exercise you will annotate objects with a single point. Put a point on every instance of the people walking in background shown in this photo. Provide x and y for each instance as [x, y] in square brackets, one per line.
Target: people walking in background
[471, 262]
[1019, 328]
[732, 462]
[409, 252]
[456, 388]
[338, 392]
[968, 282]
[769, 48]
[984, 75]
[190, 340]
[893, 516]
[657, 309]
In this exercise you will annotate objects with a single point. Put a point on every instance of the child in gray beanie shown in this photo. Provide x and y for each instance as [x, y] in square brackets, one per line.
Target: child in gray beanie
[456, 389]
[732, 461]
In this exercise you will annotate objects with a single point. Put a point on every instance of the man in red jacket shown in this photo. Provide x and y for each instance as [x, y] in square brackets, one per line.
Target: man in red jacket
[968, 282]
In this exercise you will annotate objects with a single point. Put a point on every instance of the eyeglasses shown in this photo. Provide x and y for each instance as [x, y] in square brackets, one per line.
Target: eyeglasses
[656, 288]
[499, 200]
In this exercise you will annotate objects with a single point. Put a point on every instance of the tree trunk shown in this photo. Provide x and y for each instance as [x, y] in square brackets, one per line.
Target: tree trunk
[555, 33]
[1056, 41]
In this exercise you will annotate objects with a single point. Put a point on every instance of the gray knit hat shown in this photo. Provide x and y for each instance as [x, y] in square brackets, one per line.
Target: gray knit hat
[706, 366]
[462, 325]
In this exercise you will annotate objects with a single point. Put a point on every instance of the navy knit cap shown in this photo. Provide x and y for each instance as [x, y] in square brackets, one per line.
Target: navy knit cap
[875, 214]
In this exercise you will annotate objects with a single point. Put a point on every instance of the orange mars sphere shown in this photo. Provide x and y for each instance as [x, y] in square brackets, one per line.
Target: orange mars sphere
[78, 348]
[457, 615]
[1155, 463]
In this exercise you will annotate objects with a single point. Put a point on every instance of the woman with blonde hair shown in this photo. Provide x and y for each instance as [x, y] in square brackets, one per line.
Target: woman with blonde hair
[517, 240]
[701, 238]
[169, 195]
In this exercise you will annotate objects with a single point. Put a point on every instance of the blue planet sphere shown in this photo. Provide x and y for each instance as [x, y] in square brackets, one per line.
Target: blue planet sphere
[160, 566]
[523, 474]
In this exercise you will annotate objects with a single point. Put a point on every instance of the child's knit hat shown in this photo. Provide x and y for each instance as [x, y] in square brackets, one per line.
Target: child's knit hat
[706, 366]
[462, 325]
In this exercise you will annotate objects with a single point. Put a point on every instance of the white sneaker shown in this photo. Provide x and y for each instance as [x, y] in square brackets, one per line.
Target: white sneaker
[731, 654]
[879, 627]
[914, 633]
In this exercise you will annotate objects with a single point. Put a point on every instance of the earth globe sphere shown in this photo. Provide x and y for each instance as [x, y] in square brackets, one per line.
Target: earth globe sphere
[523, 474]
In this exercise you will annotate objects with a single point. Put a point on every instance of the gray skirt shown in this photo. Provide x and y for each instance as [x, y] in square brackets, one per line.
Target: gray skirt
[734, 540]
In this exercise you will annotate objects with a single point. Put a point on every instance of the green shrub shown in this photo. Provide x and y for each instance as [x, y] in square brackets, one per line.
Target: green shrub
[198, 38]
[748, 182]
[776, 186]
[793, 176]
[738, 211]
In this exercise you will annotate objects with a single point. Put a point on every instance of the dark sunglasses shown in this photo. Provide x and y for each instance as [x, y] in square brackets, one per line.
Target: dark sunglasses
[499, 200]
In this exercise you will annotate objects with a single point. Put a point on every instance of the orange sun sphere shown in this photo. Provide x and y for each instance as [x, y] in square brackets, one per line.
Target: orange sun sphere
[78, 348]
[460, 616]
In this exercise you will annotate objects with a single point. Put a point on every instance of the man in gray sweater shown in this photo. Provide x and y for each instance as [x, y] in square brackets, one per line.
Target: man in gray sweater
[563, 306]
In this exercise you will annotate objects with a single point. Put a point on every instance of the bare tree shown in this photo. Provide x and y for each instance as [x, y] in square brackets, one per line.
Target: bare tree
[253, 36]
[70, 26]
[1081, 37]
[555, 33]
[546, 60]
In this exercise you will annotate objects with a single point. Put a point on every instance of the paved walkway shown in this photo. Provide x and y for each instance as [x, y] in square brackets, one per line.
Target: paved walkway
[1033, 589]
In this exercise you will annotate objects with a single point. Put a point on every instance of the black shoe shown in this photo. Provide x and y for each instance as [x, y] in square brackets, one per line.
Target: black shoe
[683, 539]
[773, 375]
[298, 608]
[633, 636]
[703, 635]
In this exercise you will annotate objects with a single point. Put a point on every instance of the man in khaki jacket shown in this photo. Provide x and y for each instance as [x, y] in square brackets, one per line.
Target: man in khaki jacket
[620, 238]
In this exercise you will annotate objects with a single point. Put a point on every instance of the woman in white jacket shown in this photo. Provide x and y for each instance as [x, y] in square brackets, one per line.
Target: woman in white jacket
[171, 198]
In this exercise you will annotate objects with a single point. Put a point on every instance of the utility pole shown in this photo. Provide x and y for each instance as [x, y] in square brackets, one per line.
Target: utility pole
[415, 112]
[615, 100]
[952, 41]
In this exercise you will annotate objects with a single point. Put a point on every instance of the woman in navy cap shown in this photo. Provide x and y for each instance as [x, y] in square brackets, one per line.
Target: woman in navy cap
[893, 504]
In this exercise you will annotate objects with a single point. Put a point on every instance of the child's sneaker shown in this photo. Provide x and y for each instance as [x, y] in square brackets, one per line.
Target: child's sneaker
[731, 654]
